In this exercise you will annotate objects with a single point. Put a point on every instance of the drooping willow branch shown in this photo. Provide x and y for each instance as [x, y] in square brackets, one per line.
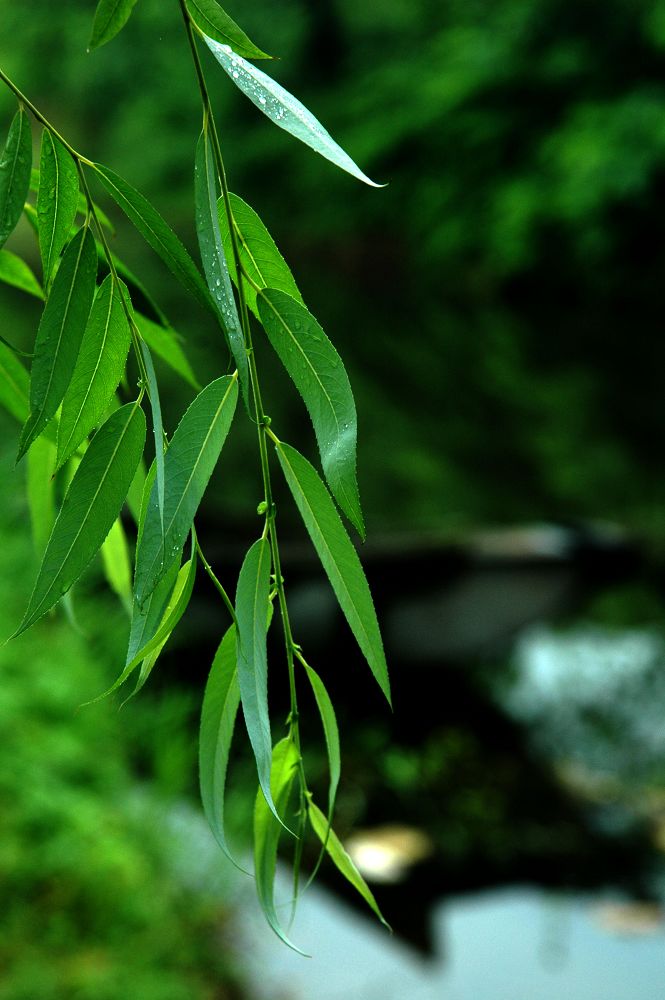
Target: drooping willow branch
[69, 401]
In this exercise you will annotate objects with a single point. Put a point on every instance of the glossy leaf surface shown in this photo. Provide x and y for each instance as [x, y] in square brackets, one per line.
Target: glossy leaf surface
[330, 731]
[57, 201]
[15, 166]
[213, 257]
[283, 109]
[98, 370]
[175, 608]
[110, 17]
[338, 558]
[116, 562]
[218, 716]
[157, 429]
[251, 623]
[257, 250]
[156, 232]
[41, 499]
[93, 501]
[213, 20]
[60, 333]
[320, 377]
[267, 831]
[341, 858]
[188, 465]
[14, 271]
[14, 384]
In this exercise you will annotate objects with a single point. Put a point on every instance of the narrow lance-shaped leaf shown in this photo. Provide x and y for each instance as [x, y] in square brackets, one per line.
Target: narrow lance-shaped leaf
[15, 165]
[41, 501]
[338, 558]
[212, 20]
[283, 108]
[136, 491]
[98, 369]
[267, 831]
[218, 716]
[14, 384]
[163, 340]
[330, 731]
[110, 17]
[146, 618]
[173, 598]
[341, 858]
[157, 428]
[175, 609]
[188, 465]
[251, 608]
[320, 377]
[214, 260]
[157, 233]
[14, 271]
[81, 203]
[258, 253]
[92, 503]
[116, 563]
[60, 333]
[57, 201]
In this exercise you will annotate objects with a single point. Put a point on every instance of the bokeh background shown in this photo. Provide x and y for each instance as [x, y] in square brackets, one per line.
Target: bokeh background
[499, 308]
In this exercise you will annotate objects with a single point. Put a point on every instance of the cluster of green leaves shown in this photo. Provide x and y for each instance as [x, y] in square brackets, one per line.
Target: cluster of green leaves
[79, 433]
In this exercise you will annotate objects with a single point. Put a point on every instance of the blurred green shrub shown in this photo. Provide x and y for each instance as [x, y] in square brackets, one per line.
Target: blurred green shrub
[94, 902]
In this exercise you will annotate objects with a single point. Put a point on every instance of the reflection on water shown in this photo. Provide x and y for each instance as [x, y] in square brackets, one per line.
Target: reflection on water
[593, 697]
[511, 944]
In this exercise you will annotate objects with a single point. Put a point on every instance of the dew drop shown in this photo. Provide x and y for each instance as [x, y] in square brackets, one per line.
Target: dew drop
[262, 100]
[235, 74]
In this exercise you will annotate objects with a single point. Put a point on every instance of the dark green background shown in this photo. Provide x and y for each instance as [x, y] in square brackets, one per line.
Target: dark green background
[498, 304]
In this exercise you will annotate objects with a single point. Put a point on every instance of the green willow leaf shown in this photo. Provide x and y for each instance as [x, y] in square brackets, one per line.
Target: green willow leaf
[98, 369]
[14, 271]
[218, 716]
[330, 731]
[213, 257]
[189, 463]
[267, 831]
[341, 858]
[338, 558]
[258, 253]
[163, 340]
[60, 333]
[157, 233]
[41, 500]
[283, 109]
[110, 17]
[136, 492]
[320, 377]
[93, 501]
[15, 165]
[172, 595]
[116, 562]
[175, 609]
[157, 429]
[81, 203]
[251, 609]
[14, 385]
[57, 201]
[212, 20]
[146, 620]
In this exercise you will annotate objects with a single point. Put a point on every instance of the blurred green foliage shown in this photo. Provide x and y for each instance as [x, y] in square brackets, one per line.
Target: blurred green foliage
[95, 897]
[504, 289]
